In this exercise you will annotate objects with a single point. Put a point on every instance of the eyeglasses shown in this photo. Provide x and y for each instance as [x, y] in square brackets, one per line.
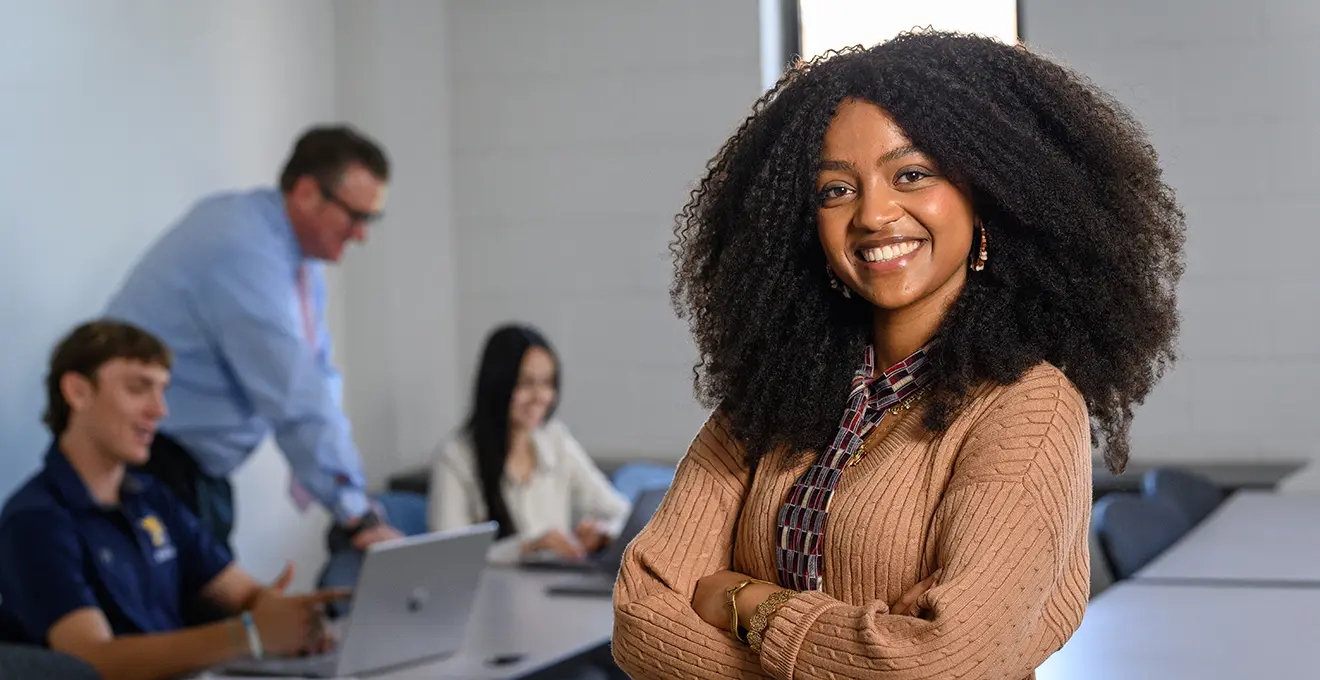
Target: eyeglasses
[357, 216]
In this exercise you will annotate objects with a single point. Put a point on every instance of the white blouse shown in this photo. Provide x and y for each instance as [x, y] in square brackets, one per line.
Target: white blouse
[565, 488]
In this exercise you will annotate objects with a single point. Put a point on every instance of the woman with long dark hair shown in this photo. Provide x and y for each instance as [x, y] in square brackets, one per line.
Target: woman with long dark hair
[922, 277]
[515, 464]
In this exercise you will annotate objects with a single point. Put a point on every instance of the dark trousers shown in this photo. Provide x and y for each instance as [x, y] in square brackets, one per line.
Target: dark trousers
[211, 499]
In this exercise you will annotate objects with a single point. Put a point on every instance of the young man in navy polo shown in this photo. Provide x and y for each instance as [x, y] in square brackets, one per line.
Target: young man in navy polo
[99, 562]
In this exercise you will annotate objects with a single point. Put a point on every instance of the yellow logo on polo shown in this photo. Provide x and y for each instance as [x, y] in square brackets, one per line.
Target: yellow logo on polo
[152, 525]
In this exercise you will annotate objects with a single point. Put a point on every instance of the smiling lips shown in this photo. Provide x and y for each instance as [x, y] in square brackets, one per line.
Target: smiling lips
[144, 435]
[889, 256]
[890, 252]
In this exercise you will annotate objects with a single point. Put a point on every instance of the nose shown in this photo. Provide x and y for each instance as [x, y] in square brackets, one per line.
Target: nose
[159, 409]
[879, 206]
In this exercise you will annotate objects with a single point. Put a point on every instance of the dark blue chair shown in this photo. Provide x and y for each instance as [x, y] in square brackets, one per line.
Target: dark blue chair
[1133, 530]
[404, 510]
[1101, 575]
[1193, 495]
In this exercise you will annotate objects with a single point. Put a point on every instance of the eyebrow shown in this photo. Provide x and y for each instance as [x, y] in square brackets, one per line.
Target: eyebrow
[892, 154]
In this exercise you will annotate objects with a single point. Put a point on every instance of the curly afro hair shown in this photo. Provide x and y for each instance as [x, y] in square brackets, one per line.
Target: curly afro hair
[1086, 242]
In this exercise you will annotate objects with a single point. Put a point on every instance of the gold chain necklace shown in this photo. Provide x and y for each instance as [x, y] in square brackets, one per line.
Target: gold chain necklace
[912, 399]
[896, 409]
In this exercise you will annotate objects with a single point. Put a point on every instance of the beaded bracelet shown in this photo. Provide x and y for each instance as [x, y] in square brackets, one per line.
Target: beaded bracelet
[761, 619]
[253, 636]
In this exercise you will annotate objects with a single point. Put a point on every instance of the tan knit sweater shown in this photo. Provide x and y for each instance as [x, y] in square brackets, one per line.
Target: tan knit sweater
[999, 503]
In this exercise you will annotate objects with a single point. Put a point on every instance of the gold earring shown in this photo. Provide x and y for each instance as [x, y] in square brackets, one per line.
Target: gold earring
[835, 283]
[984, 256]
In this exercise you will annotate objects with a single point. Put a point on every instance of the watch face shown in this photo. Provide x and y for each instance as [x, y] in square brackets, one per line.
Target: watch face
[369, 520]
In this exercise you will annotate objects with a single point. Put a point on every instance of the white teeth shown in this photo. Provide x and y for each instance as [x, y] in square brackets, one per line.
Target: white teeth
[890, 252]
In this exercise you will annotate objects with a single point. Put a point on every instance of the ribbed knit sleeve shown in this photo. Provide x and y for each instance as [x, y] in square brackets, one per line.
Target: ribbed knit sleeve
[657, 634]
[1015, 507]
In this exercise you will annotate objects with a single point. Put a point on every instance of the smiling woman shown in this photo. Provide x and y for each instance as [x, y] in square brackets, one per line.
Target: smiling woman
[913, 318]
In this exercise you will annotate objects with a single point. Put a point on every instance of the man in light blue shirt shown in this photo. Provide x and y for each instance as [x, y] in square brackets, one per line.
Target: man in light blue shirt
[237, 292]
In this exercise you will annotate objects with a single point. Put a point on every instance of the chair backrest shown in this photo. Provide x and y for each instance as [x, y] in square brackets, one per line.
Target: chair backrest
[1101, 574]
[29, 662]
[340, 571]
[406, 511]
[634, 478]
[1134, 530]
[1193, 495]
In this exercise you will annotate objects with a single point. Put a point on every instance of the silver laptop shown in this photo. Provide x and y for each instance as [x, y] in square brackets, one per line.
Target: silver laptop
[412, 602]
[604, 570]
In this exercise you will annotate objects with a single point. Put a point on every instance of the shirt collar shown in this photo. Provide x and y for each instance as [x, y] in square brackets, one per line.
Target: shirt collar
[270, 204]
[547, 456]
[71, 488]
[912, 371]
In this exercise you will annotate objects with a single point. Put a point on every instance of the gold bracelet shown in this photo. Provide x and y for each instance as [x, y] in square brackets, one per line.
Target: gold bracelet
[733, 608]
[761, 619]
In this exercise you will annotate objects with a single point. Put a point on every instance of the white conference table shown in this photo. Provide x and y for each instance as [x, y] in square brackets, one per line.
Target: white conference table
[1266, 538]
[1305, 480]
[1136, 631]
[513, 617]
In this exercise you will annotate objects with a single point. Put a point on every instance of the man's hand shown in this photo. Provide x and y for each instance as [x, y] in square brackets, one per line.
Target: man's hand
[276, 588]
[376, 534]
[292, 625]
[590, 537]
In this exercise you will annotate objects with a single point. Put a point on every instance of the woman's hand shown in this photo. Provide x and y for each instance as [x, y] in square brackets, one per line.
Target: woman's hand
[590, 537]
[711, 599]
[559, 543]
[907, 602]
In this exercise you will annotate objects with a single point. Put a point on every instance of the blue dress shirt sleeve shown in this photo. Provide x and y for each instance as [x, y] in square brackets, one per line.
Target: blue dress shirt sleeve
[251, 304]
[41, 576]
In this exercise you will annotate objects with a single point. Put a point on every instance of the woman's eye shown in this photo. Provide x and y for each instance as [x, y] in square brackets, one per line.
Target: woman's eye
[910, 176]
[832, 192]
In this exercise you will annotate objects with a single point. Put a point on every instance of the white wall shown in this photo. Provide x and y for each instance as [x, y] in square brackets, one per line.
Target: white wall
[578, 129]
[114, 117]
[1229, 93]
[540, 152]
[400, 291]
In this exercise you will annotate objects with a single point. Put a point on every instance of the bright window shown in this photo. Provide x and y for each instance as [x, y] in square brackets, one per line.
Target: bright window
[832, 24]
